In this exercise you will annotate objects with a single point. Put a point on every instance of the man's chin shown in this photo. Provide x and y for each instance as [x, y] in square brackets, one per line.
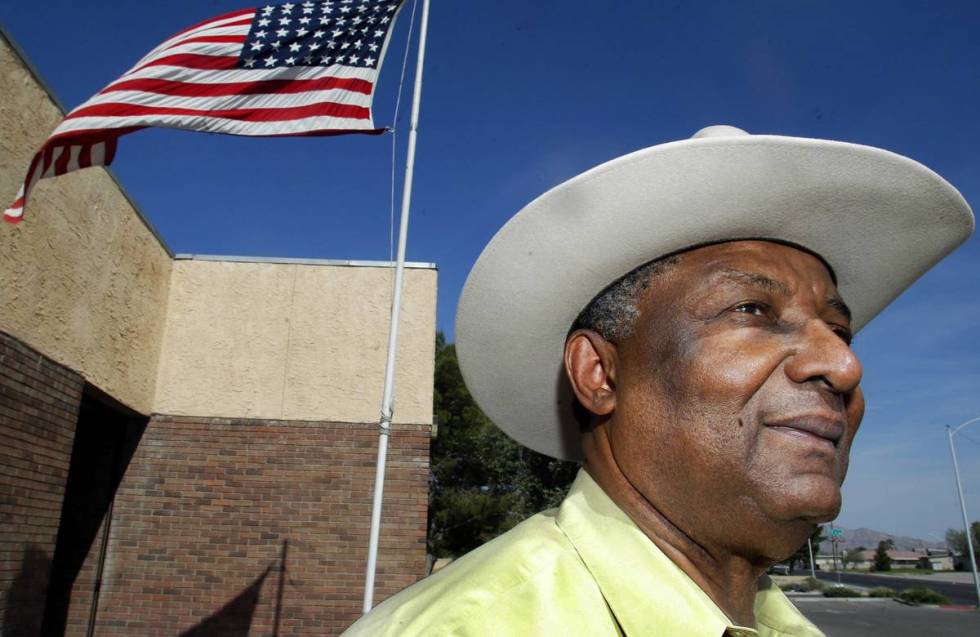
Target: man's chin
[816, 502]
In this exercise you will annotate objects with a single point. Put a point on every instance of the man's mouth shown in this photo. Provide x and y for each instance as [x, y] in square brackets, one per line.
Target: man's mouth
[823, 428]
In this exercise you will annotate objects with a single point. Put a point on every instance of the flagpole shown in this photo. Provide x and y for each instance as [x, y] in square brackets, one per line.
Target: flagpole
[387, 401]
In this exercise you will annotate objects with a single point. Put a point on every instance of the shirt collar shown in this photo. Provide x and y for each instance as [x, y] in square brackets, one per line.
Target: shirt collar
[631, 571]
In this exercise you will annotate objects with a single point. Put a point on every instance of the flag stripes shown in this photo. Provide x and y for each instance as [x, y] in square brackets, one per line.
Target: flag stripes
[204, 78]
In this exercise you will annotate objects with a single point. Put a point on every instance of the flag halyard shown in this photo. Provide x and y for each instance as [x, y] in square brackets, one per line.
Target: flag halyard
[293, 69]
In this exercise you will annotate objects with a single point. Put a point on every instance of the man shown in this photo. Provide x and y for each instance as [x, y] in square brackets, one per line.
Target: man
[679, 319]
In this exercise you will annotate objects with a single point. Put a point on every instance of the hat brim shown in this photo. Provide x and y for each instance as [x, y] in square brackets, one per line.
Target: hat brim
[878, 219]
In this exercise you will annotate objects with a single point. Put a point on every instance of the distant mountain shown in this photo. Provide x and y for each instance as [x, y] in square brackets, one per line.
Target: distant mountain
[869, 538]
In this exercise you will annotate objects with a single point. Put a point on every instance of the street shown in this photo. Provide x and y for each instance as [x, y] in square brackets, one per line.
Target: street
[957, 593]
[844, 618]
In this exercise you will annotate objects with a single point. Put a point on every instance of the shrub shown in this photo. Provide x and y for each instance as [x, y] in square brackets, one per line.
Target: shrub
[881, 591]
[840, 591]
[923, 596]
[813, 584]
[805, 586]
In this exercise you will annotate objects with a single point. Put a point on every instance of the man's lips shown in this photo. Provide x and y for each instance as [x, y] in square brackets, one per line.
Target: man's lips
[829, 427]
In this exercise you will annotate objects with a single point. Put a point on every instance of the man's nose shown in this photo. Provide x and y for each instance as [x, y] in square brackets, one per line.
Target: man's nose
[823, 356]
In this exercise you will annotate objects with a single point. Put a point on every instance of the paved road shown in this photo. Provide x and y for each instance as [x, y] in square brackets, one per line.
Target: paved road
[957, 593]
[840, 618]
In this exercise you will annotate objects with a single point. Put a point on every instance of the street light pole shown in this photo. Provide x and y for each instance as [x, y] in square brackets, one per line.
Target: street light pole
[959, 489]
[813, 569]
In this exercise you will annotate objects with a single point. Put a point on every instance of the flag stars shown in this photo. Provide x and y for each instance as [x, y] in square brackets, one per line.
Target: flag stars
[285, 35]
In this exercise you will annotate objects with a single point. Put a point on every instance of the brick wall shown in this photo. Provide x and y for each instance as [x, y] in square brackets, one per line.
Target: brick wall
[208, 508]
[39, 402]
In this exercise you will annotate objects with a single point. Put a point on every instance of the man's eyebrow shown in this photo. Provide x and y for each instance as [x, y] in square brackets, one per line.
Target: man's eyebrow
[779, 288]
[838, 304]
[758, 280]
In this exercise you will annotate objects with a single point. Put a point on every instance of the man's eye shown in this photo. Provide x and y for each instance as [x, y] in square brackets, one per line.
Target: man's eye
[756, 309]
[844, 334]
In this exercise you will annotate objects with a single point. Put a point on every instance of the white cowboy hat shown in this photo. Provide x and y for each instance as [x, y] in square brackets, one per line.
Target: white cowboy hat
[878, 219]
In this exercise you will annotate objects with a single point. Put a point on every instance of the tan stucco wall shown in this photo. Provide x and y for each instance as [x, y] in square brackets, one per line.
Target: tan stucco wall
[82, 278]
[294, 341]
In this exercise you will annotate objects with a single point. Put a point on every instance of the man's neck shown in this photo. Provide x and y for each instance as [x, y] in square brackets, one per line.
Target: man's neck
[728, 579]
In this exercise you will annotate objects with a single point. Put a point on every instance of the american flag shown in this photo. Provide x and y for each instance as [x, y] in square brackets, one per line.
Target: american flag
[291, 69]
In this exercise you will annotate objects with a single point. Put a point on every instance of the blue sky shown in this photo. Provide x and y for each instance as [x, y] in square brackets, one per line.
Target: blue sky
[520, 96]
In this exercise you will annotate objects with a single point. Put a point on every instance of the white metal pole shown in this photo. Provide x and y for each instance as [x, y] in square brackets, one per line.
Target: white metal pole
[387, 400]
[966, 519]
[813, 569]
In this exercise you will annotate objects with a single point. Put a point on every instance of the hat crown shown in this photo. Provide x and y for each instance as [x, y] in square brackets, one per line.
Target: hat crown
[720, 130]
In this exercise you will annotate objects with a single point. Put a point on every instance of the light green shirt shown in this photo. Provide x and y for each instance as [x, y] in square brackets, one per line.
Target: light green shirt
[582, 569]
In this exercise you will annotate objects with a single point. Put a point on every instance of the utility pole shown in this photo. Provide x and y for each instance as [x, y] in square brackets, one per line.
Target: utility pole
[966, 520]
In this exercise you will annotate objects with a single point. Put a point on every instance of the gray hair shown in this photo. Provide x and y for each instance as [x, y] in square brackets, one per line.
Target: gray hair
[613, 312]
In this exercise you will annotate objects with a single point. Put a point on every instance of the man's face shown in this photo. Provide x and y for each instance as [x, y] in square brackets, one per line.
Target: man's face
[737, 395]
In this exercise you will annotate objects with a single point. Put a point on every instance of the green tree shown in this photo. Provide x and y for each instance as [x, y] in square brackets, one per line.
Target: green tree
[482, 483]
[802, 554]
[956, 541]
[882, 561]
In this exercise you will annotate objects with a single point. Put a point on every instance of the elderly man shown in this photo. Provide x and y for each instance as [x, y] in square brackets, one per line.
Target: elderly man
[679, 319]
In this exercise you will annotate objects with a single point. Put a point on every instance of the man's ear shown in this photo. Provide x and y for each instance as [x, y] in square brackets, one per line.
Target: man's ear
[590, 362]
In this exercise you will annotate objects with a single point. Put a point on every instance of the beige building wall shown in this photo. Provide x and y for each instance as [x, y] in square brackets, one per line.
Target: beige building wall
[83, 279]
[294, 341]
